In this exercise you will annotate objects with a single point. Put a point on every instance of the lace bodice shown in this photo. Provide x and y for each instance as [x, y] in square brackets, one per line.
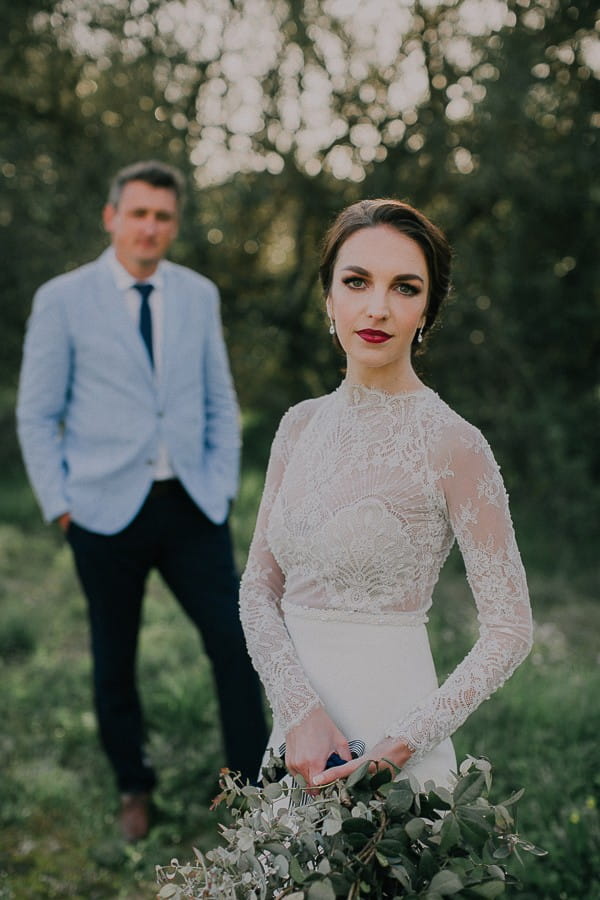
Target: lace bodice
[364, 495]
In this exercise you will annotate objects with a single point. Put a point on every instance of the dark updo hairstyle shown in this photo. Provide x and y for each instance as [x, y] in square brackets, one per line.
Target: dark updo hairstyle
[405, 219]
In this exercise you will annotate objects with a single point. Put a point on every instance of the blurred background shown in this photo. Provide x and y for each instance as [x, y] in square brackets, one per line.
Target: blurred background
[485, 114]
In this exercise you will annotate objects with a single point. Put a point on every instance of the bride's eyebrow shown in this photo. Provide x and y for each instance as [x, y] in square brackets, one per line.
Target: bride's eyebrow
[358, 269]
[409, 276]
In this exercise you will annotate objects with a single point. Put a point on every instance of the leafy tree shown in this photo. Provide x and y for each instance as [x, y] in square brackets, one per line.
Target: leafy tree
[484, 115]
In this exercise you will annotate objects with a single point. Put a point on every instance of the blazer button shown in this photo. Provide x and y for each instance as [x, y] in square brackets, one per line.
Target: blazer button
[149, 462]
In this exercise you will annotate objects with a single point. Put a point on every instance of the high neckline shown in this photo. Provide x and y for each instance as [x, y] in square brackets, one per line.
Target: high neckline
[361, 395]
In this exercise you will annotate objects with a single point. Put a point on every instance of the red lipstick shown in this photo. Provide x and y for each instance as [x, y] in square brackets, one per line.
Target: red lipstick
[372, 336]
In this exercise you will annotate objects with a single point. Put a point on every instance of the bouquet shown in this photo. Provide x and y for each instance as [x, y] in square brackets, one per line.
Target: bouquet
[376, 835]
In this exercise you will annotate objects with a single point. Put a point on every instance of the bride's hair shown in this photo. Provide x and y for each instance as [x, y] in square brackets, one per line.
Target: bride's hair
[405, 219]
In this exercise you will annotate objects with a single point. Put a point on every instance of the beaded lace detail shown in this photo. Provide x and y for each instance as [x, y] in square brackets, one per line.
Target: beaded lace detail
[364, 495]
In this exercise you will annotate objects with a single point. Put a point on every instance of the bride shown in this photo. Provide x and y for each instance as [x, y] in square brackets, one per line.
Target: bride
[365, 492]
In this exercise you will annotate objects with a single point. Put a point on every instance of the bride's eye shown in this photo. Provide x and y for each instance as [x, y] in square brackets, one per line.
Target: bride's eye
[354, 281]
[406, 287]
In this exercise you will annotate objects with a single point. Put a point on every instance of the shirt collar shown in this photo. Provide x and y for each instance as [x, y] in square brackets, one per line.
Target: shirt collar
[125, 279]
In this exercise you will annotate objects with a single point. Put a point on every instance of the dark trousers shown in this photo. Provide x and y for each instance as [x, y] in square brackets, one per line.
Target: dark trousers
[194, 556]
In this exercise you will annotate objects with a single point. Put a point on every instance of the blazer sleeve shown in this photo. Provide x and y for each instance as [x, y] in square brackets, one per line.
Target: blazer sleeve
[222, 428]
[42, 398]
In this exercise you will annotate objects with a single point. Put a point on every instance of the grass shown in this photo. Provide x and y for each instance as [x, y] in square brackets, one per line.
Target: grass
[57, 800]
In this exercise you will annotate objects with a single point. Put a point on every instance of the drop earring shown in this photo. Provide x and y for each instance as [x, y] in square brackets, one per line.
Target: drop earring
[331, 327]
[420, 335]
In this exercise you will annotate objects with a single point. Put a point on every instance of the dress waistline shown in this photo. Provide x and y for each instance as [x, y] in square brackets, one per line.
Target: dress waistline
[359, 617]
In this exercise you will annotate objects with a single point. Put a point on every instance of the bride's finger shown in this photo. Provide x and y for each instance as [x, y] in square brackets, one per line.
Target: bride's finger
[336, 772]
[343, 750]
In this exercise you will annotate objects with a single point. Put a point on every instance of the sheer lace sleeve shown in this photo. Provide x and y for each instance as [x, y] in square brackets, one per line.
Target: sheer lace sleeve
[262, 586]
[478, 509]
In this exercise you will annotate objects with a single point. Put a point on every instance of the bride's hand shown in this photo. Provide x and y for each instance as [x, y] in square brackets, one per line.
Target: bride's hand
[310, 744]
[389, 750]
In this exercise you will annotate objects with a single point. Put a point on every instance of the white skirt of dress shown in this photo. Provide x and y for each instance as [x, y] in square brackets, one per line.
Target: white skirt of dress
[369, 675]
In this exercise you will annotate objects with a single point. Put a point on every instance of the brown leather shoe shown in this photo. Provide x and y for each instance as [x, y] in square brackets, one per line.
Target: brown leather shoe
[134, 817]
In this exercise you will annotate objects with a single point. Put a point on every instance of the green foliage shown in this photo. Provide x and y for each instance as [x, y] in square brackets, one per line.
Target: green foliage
[374, 835]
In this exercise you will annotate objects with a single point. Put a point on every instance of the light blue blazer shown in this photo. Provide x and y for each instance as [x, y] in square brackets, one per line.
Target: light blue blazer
[90, 416]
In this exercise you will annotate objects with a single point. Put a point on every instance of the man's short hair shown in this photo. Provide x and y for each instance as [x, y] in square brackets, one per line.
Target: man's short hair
[153, 172]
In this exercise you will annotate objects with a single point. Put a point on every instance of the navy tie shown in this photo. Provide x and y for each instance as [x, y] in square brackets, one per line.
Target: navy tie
[146, 317]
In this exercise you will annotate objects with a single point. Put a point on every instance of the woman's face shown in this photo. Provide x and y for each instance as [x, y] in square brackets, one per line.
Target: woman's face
[377, 300]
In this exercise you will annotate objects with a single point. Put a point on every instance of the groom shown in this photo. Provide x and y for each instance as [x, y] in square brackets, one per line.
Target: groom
[128, 422]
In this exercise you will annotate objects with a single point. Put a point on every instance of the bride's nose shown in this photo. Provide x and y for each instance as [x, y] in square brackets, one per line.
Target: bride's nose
[378, 304]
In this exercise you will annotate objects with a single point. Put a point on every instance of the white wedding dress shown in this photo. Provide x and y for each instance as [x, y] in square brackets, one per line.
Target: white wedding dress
[364, 495]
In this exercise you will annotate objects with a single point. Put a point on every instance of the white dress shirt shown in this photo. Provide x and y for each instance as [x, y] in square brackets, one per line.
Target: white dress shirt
[133, 301]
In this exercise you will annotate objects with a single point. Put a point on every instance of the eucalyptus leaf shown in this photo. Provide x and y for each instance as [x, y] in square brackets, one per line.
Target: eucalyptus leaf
[296, 873]
[463, 866]
[281, 864]
[441, 798]
[468, 787]
[449, 833]
[390, 847]
[168, 890]
[427, 865]
[414, 828]
[358, 775]
[340, 883]
[309, 843]
[249, 790]
[273, 791]
[361, 826]
[446, 883]
[396, 833]
[432, 805]
[297, 796]
[496, 872]
[384, 789]
[478, 819]
[524, 845]
[401, 875]
[503, 818]
[381, 777]
[321, 890]
[357, 841]
[332, 825]
[472, 838]
[399, 802]
[531, 848]
[276, 847]
[514, 798]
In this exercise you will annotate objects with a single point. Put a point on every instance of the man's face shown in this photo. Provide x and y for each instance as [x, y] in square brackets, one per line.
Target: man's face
[143, 226]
